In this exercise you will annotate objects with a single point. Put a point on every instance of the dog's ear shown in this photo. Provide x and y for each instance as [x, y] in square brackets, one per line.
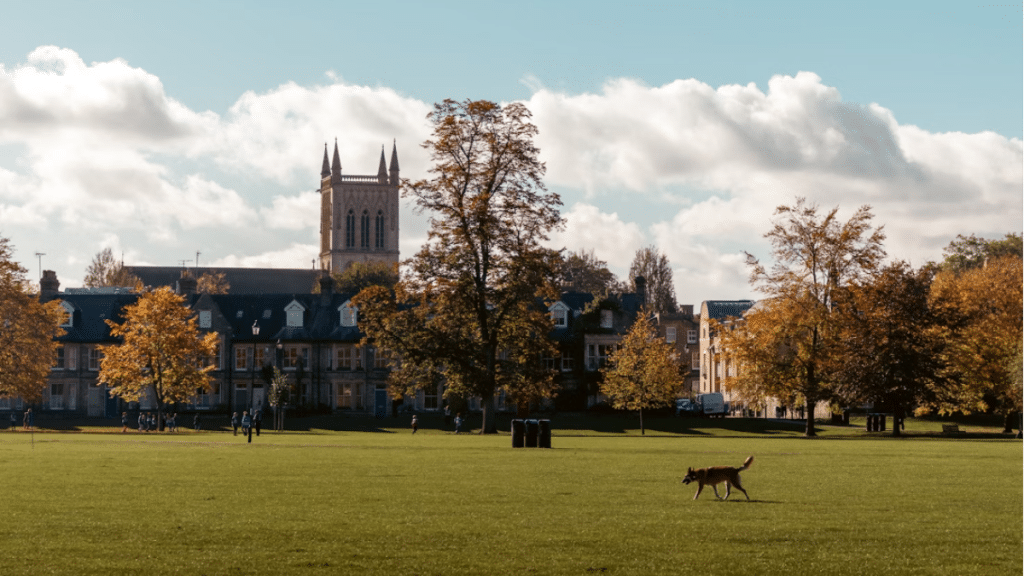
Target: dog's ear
[689, 470]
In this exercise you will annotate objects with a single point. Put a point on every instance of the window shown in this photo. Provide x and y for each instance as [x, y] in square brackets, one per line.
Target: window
[205, 319]
[670, 334]
[566, 361]
[691, 336]
[242, 356]
[294, 313]
[381, 359]
[69, 314]
[58, 364]
[606, 318]
[559, 316]
[350, 395]
[349, 315]
[344, 358]
[695, 361]
[597, 355]
[364, 230]
[550, 364]
[293, 355]
[94, 359]
[259, 358]
[57, 396]
[430, 399]
[378, 237]
[213, 360]
[350, 229]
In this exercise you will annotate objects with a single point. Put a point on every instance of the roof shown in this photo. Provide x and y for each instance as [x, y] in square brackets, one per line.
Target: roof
[721, 309]
[240, 280]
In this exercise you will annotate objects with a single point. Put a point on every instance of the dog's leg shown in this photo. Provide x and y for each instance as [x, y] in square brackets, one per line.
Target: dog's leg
[728, 490]
[699, 488]
[740, 488]
[715, 488]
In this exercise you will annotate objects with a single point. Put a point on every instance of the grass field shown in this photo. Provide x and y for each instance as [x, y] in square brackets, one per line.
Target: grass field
[602, 501]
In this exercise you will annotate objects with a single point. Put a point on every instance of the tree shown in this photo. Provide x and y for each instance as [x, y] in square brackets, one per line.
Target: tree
[983, 308]
[891, 346]
[278, 396]
[212, 282]
[660, 293]
[27, 332]
[106, 271]
[583, 272]
[363, 275]
[161, 353]
[643, 372]
[789, 346]
[469, 311]
[967, 252]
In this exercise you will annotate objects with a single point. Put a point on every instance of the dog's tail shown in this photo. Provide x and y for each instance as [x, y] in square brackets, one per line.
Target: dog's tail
[747, 463]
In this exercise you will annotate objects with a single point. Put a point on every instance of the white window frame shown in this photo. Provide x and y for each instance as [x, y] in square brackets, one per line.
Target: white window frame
[349, 315]
[95, 357]
[670, 334]
[59, 363]
[69, 310]
[205, 319]
[294, 314]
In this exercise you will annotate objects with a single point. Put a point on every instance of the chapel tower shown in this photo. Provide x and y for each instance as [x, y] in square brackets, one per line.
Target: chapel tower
[358, 214]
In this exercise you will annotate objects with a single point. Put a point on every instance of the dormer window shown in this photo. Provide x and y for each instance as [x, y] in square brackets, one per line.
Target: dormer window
[294, 313]
[349, 314]
[205, 319]
[69, 314]
[606, 318]
[559, 314]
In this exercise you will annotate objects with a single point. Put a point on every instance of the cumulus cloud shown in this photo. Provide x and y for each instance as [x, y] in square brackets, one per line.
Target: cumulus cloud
[295, 255]
[611, 239]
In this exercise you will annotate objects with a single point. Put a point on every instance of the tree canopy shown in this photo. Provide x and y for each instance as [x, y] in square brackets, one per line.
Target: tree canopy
[660, 292]
[362, 275]
[967, 252]
[582, 271]
[213, 282]
[161, 354]
[469, 311]
[105, 270]
[27, 331]
[643, 372]
[790, 344]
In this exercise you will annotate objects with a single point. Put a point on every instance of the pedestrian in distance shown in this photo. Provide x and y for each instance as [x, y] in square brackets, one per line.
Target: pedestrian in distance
[197, 422]
[415, 424]
[172, 422]
[247, 425]
[27, 423]
[152, 421]
[257, 421]
[142, 421]
[458, 422]
[124, 422]
[234, 423]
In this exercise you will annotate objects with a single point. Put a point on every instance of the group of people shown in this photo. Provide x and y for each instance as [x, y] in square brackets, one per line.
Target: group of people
[26, 420]
[248, 423]
[459, 421]
[148, 422]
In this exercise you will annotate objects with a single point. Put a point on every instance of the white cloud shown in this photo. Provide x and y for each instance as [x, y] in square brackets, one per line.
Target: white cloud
[294, 256]
[611, 239]
[291, 212]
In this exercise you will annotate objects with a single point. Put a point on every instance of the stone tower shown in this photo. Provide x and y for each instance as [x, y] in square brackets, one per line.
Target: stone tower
[358, 214]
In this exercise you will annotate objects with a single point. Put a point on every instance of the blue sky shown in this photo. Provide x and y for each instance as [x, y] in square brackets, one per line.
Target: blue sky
[660, 122]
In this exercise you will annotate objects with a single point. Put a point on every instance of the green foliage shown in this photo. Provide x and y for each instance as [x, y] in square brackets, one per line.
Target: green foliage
[967, 252]
[660, 294]
[643, 372]
[583, 272]
[362, 275]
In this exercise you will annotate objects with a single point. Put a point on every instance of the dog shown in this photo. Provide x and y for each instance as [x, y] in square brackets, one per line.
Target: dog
[716, 475]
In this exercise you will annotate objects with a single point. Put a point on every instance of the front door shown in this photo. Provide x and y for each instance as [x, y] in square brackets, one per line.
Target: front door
[380, 403]
[257, 399]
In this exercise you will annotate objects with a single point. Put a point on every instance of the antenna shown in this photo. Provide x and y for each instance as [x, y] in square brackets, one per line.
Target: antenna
[40, 255]
[197, 258]
[183, 262]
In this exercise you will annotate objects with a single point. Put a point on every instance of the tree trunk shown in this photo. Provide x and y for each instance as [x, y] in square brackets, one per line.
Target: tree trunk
[489, 425]
[642, 433]
[809, 407]
[897, 417]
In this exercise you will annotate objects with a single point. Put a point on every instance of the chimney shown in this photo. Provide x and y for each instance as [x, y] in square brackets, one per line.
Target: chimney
[48, 286]
[186, 284]
[641, 289]
[686, 309]
[326, 287]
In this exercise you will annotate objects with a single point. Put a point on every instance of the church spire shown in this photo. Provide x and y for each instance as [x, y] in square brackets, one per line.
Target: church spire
[336, 163]
[382, 170]
[394, 162]
[326, 171]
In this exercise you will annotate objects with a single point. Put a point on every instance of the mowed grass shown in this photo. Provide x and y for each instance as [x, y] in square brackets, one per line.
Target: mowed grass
[392, 503]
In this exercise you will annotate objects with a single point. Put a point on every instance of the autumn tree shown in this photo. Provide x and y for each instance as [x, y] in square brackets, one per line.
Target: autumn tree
[470, 309]
[212, 282]
[789, 346]
[967, 252]
[660, 292]
[643, 372]
[891, 341]
[27, 332]
[983, 308]
[582, 271]
[363, 275]
[105, 270]
[161, 354]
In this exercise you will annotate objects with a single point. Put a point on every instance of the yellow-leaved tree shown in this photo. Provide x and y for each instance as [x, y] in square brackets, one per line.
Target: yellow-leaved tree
[161, 353]
[27, 331]
[643, 372]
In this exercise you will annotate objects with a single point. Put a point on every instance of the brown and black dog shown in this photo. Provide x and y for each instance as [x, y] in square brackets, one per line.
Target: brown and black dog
[716, 475]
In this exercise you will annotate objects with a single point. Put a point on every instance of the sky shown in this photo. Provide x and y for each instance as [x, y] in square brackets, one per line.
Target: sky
[167, 130]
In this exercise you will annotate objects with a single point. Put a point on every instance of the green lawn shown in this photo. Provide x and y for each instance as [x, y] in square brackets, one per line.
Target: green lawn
[602, 501]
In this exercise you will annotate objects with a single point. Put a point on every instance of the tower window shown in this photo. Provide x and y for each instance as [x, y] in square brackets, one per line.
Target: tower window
[350, 229]
[378, 241]
[364, 232]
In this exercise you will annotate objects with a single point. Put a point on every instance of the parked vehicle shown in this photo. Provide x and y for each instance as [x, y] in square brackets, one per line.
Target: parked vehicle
[711, 405]
[686, 407]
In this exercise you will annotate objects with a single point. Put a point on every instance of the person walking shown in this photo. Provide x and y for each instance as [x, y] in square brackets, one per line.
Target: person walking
[142, 421]
[152, 421]
[234, 423]
[197, 422]
[124, 422]
[247, 425]
[415, 424]
[26, 422]
[257, 421]
[458, 422]
[14, 421]
[172, 422]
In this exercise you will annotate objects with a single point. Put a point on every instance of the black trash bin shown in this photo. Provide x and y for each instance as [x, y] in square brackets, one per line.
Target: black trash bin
[532, 429]
[544, 438]
[881, 422]
[871, 422]
[518, 433]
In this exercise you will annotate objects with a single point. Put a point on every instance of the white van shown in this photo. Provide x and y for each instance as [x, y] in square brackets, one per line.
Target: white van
[712, 404]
